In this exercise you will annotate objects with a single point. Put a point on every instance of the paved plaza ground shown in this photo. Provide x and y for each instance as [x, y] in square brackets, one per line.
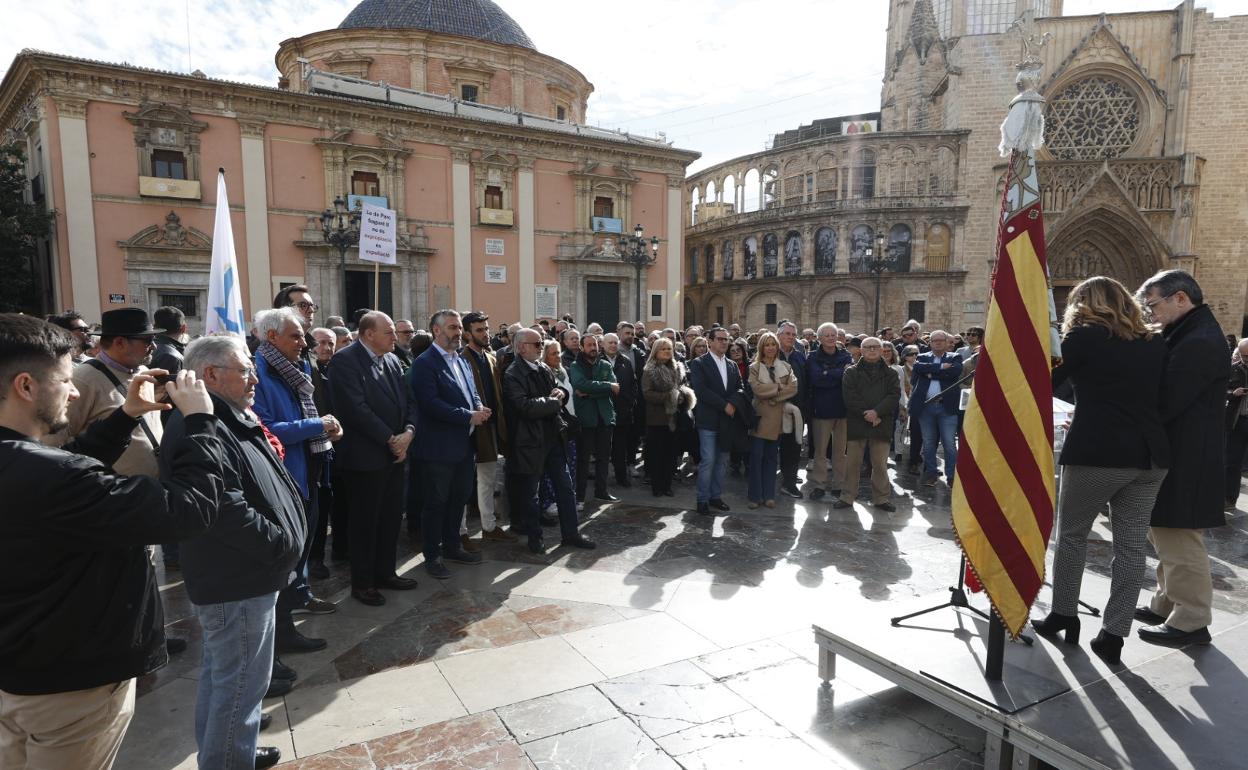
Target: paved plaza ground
[683, 641]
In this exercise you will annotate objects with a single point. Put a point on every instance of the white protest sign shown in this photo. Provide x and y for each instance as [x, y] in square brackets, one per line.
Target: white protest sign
[377, 235]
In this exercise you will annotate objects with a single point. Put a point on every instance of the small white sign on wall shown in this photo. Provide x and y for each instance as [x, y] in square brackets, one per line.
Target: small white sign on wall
[494, 247]
[496, 274]
[546, 301]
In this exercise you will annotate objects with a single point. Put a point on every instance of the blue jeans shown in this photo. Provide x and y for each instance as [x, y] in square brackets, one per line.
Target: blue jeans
[764, 457]
[711, 467]
[237, 664]
[937, 424]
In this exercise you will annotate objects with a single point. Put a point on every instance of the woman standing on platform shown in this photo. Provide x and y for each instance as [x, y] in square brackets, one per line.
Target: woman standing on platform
[665, 397]
[773, 383]
[1115, 456]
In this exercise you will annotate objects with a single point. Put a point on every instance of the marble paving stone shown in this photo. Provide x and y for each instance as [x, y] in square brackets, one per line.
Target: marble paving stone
[617, 744]
[671, 698]
[618, 590]
[334, 715]
[769, 610]
[487, 679]
[636, 645]
[746, 740]
[843, 724]
[353, 757]
[551, 617]
[476, 742]
[747, 657]
[557, 713]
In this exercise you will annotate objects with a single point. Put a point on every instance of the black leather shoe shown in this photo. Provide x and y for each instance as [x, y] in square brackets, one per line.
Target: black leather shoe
[720, 505]
[462, 557]
[278, 688]
[267, 756]
[791, 491]
[1107, 646]
[841, 505]
[370, 596]
[580, 541]
[610, 498]
[886, 506]
[283, 671]
[1146, 616]
[536, 545]
[1053, 624]
[265, 721]
[1169, 636]
[292, 642]
[668, 493]
[174, 645]
[816, 494]
[437, 569]
[397, 583]
[704, 508]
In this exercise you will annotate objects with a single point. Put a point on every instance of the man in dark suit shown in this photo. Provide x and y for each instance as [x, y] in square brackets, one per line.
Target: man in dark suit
[716, 382]
[933, 374]
[378, 425]
[450, 412]
[624, 401]
[634, 350]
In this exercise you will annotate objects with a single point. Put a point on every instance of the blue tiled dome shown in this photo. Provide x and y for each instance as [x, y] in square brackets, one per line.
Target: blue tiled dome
[481, 19]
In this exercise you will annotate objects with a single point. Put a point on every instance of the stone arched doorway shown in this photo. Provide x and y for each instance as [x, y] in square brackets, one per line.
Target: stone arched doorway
[1103, 241]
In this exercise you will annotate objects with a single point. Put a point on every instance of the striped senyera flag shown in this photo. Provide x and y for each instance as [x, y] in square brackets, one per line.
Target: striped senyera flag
[1003, 490]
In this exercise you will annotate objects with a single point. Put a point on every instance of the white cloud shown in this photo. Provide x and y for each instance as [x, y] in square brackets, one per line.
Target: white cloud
[718, 76]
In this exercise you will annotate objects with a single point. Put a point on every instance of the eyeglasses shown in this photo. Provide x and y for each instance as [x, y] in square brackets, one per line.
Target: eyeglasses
[81, 329]
[407, 331]
[247, 371]
[305, 305]
[1152, 303]
[908, 332]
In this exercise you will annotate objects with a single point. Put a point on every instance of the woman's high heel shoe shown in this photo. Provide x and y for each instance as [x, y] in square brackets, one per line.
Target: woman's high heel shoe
[1055, 623]
[1107, 646]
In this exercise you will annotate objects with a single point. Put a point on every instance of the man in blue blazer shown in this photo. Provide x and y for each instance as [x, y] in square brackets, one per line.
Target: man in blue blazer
[933, 373]
[450, 411]
[378, 425]
[716, 381]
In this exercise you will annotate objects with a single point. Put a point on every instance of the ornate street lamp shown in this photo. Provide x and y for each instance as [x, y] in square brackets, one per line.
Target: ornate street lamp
[341, 229]
[636, 251]
[878, 261]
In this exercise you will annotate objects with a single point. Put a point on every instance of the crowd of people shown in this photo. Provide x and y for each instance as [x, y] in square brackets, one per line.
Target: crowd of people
[253, 463]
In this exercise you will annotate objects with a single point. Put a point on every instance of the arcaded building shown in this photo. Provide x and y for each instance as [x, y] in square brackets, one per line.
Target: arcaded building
[1140, 172]
[443, 110]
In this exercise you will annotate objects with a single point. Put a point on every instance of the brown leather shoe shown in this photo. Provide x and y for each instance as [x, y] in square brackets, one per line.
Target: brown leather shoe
[468, 545]
[499, 534]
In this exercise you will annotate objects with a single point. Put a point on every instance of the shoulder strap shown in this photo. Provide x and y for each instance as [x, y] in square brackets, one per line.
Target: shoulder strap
[101, 367]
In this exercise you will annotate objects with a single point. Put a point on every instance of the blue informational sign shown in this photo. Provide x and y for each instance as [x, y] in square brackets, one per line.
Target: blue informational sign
[608, 225]
[355, 202]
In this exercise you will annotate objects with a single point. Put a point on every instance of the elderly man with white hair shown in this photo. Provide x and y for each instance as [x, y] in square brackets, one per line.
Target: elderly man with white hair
[934, 403]
[234, 571]
[286, 405]
[872, 392]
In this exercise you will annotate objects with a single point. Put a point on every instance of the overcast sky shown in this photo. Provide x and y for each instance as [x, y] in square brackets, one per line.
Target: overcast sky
[718, 76]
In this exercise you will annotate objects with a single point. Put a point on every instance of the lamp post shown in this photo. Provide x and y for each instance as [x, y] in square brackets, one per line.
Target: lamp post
[341, 229]
[636, 251]
[877, 262]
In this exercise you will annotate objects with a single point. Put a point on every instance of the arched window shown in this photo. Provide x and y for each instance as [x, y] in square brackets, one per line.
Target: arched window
[725, 253]
[692, 277]
[709, 257]
[749, 258]
[861, 238]
[729, 193]
[694, 199]
[793, 253]
[826, 180]
[710, 192]
[899, 247]
[825, 251]
[938, 247]
[771, 187]
[903, 179]
[752, 193]
[942, 176]
[794, 182]
[864, 174]
[771, 255]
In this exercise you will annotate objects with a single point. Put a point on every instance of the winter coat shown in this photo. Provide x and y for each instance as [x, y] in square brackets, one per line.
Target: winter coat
[870, 386]
[772, 387]
[591, 384]
[824, 372]
[662, 403]
[491, 437]
[1239, 379]
[1193, 403]
[533, 416]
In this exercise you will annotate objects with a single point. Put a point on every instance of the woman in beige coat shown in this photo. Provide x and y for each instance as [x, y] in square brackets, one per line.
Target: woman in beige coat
[773, 382]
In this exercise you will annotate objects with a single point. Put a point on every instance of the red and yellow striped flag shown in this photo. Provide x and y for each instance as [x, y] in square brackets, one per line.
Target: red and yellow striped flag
[1003, 491]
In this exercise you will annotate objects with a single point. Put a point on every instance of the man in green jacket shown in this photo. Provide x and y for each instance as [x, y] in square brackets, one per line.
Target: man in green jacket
[593, 385]
[872, 391]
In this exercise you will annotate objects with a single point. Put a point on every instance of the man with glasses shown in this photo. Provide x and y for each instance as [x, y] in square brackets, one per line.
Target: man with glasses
[1193, 400]
[791, 444]
[935, 405]
[911, 334]
[404, 330]
[717, 384]
[73, 322]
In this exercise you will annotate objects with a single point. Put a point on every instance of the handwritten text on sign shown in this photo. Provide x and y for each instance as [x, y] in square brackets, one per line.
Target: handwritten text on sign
[377, 234]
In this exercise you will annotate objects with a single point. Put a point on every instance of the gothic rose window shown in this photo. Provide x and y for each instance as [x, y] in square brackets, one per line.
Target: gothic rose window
[1097, 117]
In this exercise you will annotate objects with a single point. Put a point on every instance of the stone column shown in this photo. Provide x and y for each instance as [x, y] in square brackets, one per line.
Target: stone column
[844, 248]
[808, 249]
[461, 206]
[526, 206]
[84, 270]
[256, 216]
[675, 251]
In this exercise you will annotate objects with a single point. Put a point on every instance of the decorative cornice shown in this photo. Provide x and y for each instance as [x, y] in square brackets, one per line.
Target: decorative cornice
[70, 106]
[171, 236]
[252, 127]
[461, 154]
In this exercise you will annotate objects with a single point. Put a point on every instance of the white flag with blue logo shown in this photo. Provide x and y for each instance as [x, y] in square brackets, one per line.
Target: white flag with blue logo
[225, 298]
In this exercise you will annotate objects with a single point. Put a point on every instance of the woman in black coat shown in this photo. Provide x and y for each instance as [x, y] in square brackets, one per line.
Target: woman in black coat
[1114, 457]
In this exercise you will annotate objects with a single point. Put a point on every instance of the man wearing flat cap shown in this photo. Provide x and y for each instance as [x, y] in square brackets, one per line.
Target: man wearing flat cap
[127, 340]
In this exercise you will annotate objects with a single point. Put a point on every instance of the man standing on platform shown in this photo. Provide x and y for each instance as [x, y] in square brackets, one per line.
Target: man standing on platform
[450, 413]
[624, 401]
[872, 392]
[716, 382]
[489, 437]
[790, 443]
[1193, 403]
[825, 372]
[378, 426]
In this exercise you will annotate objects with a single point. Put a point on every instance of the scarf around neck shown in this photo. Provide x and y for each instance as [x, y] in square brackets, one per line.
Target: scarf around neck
[301, 383]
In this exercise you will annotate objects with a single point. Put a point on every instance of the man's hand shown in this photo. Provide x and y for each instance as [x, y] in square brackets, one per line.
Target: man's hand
[730, 410]
[945, 366]
[186, 392]
[615, 388]
[333, 428]
[871, 417]
[141, 395]
[1239, 391]
[559, 394]
[399, 443]
[480, 417]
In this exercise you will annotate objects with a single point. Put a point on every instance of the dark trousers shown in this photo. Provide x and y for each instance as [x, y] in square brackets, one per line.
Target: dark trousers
[598, 442]
[916, 441]
[790, 455]
[340, 519]
[324, 511]
[413, 505]
[523, 496]
[446, 488]
[620, 449]
[299, 592]
[1236, 446]
[660, 457]
[376, 502]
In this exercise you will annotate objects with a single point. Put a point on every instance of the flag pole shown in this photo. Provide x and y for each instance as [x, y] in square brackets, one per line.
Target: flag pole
[376, 286]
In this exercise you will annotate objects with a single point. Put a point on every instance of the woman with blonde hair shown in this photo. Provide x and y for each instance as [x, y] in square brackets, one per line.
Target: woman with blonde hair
[665, 398]
[552, 356]
[773, 383]
[1115, 456]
